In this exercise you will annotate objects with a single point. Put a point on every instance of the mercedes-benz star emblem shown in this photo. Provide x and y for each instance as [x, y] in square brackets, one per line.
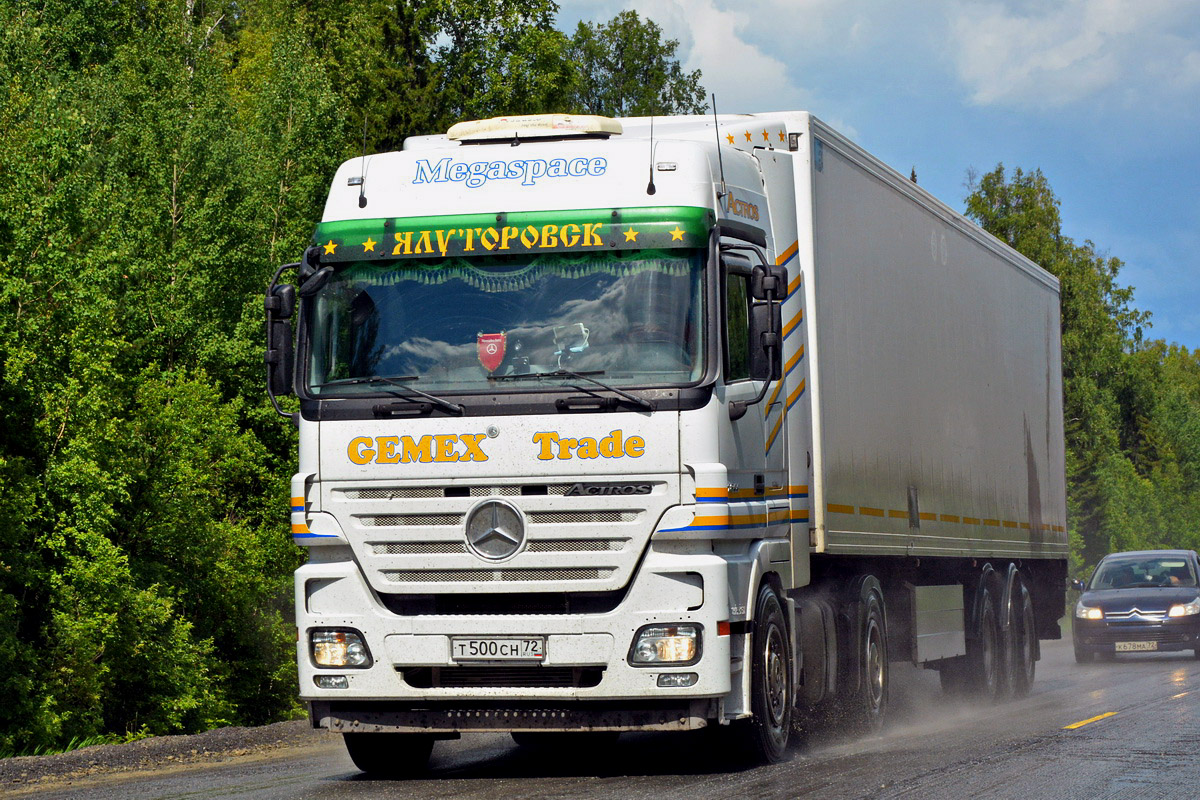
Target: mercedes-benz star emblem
[495, 530]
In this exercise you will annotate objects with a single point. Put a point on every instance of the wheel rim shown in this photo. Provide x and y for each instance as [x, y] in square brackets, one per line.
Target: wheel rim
[876, 666]
[775, 677]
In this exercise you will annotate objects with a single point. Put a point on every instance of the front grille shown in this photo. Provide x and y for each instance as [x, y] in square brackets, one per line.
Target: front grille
[1136, 634]
[508, 677]
[499, 605]
[425, 492]
[579, 517]
[417, 548]
[1134, 617]
[398, 520]
[537, 546]
[496, 575]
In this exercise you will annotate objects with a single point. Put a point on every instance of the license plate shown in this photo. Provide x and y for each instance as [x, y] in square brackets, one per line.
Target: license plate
[1132, 647]
[502, 648]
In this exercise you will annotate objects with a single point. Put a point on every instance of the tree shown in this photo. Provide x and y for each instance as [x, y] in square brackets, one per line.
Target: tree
[1131, 405]
[626, 69]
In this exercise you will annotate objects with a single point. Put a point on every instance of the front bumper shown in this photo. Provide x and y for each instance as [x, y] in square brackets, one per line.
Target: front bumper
[1103, 636]
[414, 684]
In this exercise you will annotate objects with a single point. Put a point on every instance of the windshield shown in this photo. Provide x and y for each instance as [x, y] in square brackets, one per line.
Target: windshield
[1143, 572]
[632, 318]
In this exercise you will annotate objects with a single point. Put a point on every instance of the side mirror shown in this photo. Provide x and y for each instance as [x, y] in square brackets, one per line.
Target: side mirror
[280, 304]
[768, 282]
[766, 359]
[315, 282]
[1077, 585]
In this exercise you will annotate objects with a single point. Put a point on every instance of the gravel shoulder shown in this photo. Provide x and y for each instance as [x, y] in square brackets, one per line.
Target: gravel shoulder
[220, 744]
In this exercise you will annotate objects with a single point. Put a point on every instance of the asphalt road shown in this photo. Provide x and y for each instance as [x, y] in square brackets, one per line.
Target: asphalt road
[1141, 740]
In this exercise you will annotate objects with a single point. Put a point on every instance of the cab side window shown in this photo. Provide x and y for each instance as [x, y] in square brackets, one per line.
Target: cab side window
[737, 327]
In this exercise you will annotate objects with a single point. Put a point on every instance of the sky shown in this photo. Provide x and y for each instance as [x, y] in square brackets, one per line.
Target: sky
[1103, 96]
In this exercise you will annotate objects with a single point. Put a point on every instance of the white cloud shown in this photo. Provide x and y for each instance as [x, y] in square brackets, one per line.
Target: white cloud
[1054, 53]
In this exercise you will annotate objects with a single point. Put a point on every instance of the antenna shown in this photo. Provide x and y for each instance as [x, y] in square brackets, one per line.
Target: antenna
[717, 133]
[362, 197]
[650, 186]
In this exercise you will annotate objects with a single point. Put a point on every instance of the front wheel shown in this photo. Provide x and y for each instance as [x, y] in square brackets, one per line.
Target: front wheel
[771, 696]
[389, 755]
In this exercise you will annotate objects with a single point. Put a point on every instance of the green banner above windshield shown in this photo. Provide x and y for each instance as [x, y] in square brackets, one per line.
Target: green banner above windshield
[515, 233]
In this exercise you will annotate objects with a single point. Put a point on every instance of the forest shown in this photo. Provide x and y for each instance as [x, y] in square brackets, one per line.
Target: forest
[160, 158]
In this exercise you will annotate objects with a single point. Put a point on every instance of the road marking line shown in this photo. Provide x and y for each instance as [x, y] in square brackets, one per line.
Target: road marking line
[1181, 694]
[1075, 725]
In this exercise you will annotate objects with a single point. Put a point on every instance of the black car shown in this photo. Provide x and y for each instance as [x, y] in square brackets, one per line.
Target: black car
[1137, 602]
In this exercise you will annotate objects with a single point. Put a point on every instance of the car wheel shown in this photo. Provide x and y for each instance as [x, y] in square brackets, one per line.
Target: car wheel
[389, 755]
[1082, 656]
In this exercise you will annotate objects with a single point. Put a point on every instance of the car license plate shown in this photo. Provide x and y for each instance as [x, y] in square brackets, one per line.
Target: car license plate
[499, 648]
[1132, 647]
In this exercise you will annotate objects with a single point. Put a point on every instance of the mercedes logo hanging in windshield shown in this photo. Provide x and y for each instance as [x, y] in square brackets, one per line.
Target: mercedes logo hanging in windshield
[495, 530]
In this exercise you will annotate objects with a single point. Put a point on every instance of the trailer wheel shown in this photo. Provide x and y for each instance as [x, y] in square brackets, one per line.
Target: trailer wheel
[389, 755]
[984, 649]
[771, 697]
[867, 699]
[1022, 639]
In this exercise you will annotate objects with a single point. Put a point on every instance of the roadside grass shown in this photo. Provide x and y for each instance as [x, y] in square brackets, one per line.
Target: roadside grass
[76, 743]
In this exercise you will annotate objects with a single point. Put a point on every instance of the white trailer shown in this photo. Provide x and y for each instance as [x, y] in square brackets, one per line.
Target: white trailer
[611, 427]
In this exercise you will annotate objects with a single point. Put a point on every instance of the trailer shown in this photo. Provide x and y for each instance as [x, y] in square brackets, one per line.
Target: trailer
[614, 425]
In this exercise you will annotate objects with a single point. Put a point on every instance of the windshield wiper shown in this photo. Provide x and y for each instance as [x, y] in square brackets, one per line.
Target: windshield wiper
[582, 376]
[396, 380]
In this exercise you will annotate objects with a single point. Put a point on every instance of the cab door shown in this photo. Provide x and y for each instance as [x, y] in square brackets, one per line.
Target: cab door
[743, 448]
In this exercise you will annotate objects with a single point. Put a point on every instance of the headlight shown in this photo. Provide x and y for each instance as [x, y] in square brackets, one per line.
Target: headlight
[339, 649]
[666, 644]
[1185, 610]
[1087, 612]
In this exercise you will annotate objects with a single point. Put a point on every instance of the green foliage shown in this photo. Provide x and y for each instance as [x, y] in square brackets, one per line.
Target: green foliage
[1132, 407]
[626, 69]
[160, 158]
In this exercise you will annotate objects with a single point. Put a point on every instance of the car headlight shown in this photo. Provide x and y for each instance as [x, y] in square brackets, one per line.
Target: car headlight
[1087, 612]
[666, 644]
[1185, 610]
[339, 648]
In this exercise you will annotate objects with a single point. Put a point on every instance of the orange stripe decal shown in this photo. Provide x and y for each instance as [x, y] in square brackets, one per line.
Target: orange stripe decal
[786, 254]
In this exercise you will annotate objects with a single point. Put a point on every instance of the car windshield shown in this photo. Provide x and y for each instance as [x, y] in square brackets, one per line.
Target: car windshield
[465, 325]
[1133, 573]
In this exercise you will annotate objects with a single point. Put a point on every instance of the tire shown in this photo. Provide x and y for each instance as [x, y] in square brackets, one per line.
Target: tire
[1083, 656]
[985, 648]
[771, 691]
[866, 701]
[1022, 639]
[389, 755]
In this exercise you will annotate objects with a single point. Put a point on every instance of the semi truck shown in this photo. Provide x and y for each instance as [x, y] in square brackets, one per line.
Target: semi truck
[659, 424]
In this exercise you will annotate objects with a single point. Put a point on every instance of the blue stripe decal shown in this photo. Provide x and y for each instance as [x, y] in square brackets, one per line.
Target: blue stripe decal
[314, 536]
[297, 509]
[798, 396]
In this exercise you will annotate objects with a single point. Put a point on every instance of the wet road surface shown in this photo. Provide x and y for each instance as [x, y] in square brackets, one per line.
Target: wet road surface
[1139, 738]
